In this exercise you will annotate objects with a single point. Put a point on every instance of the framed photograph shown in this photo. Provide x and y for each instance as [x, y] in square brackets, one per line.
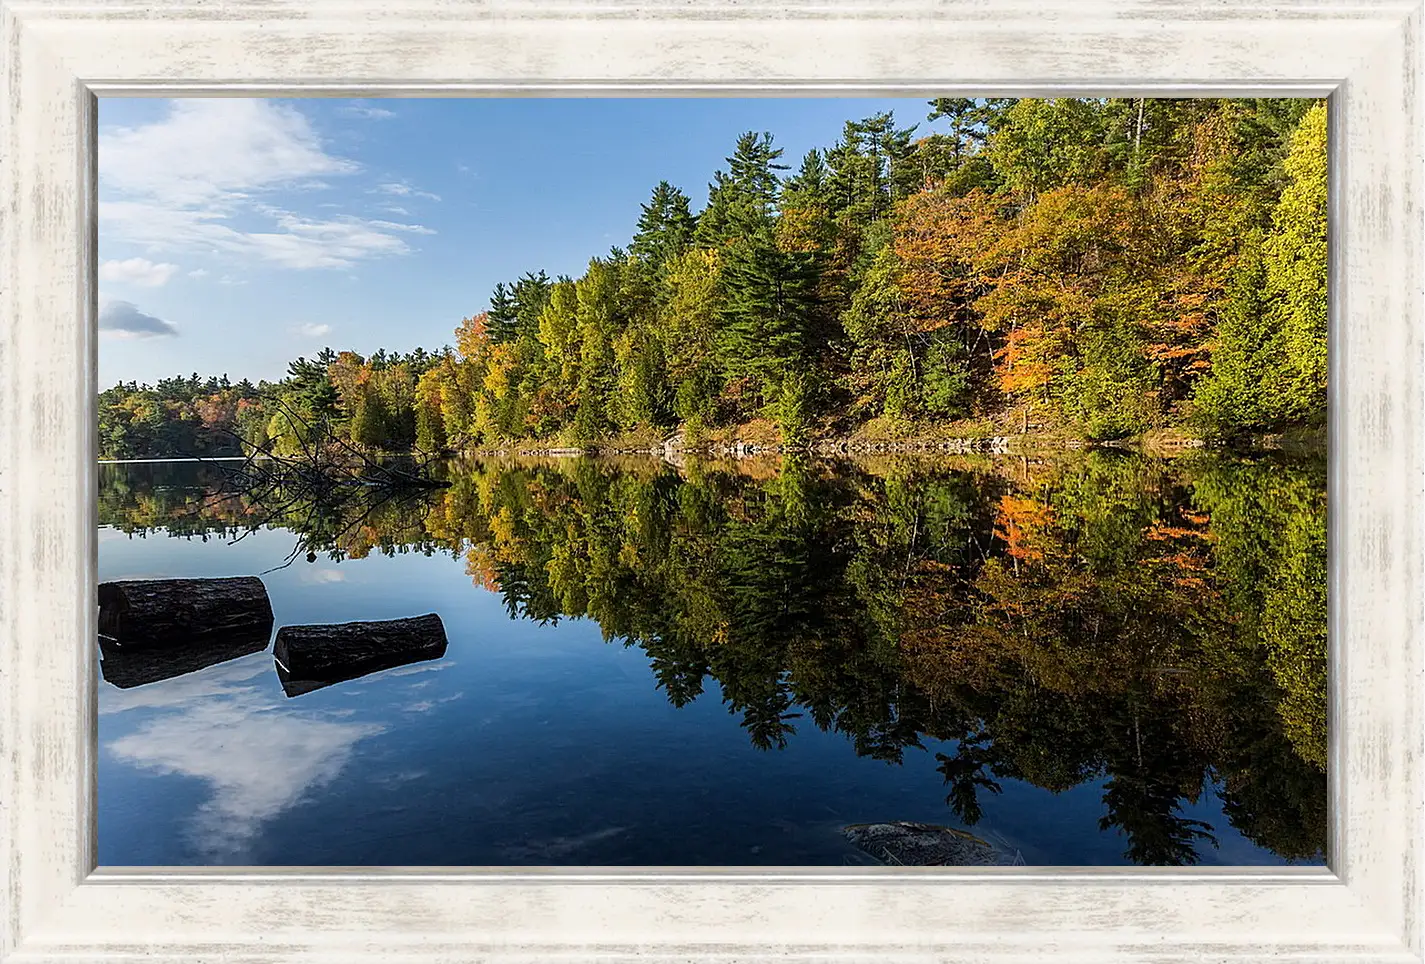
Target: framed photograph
[540, 481]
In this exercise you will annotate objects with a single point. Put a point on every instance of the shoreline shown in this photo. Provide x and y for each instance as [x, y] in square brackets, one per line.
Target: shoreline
[673, 448]
[1155, 445]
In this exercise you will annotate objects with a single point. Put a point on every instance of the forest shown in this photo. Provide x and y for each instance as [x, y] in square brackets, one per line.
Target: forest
[1152, 627]
[1088, 268]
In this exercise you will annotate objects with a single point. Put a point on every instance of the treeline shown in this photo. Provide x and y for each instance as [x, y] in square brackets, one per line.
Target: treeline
[1152, 628]
[368, 401]
[1101, 267]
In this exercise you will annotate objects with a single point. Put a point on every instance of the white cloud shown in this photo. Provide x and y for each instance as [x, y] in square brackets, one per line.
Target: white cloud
[396, 226]
[317, 331]
[296, 242]
[198, 273]
[209, 149]
[201, 179]
[123, 319]
[371, 113]
[402, 189]
[137, 271]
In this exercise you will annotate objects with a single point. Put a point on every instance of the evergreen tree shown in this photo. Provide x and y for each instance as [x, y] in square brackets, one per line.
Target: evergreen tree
[768, 296]
[665, 228]
[503, 320]
[745, 195]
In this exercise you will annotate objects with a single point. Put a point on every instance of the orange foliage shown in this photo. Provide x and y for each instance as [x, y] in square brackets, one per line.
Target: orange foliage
[1021, 523]
[480, 565]
[936, 239]
[473, 335]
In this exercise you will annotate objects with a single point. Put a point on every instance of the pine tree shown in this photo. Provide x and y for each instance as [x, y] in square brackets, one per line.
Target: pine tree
[768, 300]
[744, 195]
[502, 320]
[665, 228]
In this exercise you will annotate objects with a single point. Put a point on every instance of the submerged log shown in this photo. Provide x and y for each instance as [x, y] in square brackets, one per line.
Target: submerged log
[155, 613]
[310, 657]
[127, 668]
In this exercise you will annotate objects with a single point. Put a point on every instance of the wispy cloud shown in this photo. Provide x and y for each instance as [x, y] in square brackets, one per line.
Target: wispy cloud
[198, 273]
[402, 189]
[124, 320]
[137, 271]
[212, 149]
[317, 331]
[202, 178]
[367, 111]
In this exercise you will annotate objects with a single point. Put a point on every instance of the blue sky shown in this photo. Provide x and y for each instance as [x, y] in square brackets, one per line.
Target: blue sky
[235, 235]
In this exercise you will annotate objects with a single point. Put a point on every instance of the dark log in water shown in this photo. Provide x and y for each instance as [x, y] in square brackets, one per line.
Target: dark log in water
[127, 668]
[310, 657]
[155, 613]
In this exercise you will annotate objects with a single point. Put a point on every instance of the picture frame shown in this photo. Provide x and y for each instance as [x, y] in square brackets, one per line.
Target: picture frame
[60, 55]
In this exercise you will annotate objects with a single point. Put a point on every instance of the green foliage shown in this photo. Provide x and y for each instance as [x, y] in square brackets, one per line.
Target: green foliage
[1110, 390]
[1270, 363]
[767, 299]
[794, 409]
[1295, 256]
[1109, 265]
[1037, 145]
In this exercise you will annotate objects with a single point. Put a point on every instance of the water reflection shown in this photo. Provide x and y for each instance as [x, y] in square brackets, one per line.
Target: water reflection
[221, 730]
[127, 668]
[1153, 629]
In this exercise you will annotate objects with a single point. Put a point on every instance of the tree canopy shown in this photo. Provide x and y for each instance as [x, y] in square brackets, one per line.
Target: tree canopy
[1101, 267]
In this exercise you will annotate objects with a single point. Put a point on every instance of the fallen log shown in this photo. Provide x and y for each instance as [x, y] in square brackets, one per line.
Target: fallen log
[311, 657]
[156, 613]
[127, 668]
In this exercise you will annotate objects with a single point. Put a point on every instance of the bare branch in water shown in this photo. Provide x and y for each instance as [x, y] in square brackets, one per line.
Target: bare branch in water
[329, 477]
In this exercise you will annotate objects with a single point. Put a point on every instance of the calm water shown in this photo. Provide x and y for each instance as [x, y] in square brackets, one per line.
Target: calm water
[1103, 660]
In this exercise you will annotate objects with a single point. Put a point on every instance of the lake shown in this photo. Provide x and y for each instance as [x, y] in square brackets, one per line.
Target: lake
[1095, 659]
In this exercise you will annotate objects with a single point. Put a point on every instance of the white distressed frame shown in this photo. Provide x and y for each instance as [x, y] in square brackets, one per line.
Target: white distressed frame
[1364, 54]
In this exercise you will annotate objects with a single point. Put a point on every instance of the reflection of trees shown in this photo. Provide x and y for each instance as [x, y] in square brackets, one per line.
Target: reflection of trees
[190, 500]
[1152, 627]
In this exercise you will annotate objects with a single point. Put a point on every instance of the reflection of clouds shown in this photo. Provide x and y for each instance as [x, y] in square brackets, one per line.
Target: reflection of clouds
[221, 680]
[221, 729]
[435, 666]
[321, 576]
[552, 849]
[424, 706]
[359, 684]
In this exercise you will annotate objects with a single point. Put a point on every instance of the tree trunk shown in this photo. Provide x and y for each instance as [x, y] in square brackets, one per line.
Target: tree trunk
[158, 613]
[310, 657]
[127, 668]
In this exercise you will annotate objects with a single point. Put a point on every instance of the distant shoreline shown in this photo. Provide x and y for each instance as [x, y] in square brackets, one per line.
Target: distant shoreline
[1160, 444]
[178, 458]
